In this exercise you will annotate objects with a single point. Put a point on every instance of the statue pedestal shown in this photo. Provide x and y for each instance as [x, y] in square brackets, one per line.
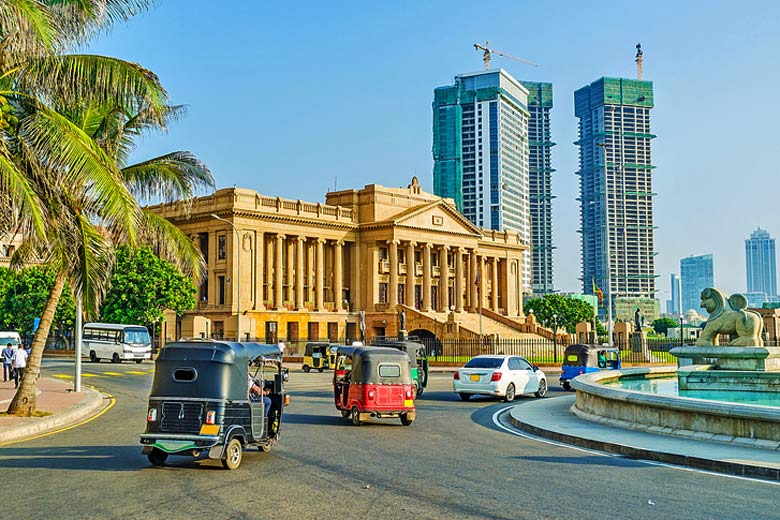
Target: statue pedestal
[764, 359]
[746, 369]
[639, 341]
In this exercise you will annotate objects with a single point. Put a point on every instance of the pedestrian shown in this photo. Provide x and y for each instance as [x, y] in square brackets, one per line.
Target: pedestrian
[19, 364]
[8, 359]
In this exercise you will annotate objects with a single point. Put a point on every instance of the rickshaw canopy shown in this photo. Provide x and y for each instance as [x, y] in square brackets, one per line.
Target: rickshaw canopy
[587, 355]
[375, 365]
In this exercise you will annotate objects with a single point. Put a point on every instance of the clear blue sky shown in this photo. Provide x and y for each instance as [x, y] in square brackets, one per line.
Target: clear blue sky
[292, 99]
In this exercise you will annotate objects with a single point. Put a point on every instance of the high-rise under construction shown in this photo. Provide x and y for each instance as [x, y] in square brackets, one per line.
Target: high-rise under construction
[616, 195]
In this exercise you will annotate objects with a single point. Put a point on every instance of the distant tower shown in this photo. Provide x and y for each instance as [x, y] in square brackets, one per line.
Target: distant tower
[639, 60]
[674, 306]
[696, 274]
[760, 263]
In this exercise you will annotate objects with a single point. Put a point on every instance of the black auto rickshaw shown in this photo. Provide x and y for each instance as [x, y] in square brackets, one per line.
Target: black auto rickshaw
[416, 352]
[200, 403]
[581, 359]
[374, 382]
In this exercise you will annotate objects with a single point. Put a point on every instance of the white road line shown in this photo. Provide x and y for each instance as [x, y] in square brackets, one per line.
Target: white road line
[525, 435]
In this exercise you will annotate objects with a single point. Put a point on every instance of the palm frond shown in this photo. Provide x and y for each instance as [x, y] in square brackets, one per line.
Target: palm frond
[22, 197]
[170, 243]
[170, 177]
[27, 28]
[96, 259]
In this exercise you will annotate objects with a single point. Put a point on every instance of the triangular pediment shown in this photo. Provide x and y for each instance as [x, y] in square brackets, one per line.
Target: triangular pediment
[437, 215]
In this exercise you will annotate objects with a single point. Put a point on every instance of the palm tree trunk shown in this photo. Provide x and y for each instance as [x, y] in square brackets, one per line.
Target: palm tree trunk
[23, 402]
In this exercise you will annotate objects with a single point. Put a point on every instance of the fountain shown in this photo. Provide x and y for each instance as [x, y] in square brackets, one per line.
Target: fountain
[743, 367]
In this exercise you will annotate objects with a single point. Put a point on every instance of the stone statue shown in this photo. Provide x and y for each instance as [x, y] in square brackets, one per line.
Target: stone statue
[403, 320]
[638, 321]
[729, 316]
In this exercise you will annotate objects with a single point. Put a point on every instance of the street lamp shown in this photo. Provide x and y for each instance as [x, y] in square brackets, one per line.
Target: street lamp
[237, 278]
[555, 338]
[603, 147]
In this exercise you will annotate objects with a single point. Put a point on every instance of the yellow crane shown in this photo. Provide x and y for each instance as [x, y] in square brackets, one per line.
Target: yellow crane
[639, 61]
[488, 51]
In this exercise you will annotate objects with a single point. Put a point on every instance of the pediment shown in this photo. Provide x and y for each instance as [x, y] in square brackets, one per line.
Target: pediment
[436, 216]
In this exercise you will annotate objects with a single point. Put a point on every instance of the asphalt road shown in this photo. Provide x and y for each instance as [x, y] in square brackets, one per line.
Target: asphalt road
[453, 462]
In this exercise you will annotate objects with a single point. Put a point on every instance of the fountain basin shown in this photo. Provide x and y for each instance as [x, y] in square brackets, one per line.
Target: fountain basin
[676, 415]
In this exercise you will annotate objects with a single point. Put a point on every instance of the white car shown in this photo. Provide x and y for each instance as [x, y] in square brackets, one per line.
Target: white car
[502, 376]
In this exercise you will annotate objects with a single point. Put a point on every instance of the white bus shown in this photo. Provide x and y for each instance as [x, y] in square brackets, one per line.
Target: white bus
[116, 342]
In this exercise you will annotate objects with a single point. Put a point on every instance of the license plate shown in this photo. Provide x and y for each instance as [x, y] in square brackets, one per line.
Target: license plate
[474, 377]
[408, 403]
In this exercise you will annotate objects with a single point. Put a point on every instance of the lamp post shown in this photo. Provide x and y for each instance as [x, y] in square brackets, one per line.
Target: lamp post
[237, 278]
[555, 338]
[603, 147]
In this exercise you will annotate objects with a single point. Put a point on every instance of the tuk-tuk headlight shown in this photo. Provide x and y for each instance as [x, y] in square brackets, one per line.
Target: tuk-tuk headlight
[211, 417]
[152, 415]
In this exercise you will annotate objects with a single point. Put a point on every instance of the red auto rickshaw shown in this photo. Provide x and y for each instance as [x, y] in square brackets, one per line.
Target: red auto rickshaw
[374, 382]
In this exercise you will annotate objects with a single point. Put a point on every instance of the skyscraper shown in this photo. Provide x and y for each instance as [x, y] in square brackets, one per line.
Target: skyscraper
[616, 195]
[673, 304]
[696, 274]
[480, 152]
[540, 170]
[760, 262]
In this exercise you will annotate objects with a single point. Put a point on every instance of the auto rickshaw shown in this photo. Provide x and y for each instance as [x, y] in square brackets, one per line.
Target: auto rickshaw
[581, 359]
[319, 356]
[374, 382]
[416, 352]
[200, 405]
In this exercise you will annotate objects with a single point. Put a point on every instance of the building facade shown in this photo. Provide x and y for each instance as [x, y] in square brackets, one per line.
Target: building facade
[300, 270]
[616, 195]
[696, 274]
[760, 261]
[480, 152]
[540, 170]
[673, 304]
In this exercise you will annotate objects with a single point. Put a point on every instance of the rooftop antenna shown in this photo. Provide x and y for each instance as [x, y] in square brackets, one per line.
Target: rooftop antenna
[487, 51]
[638, 61]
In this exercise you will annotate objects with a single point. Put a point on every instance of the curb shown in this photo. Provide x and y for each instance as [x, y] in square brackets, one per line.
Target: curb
[633, 452]
[87, 407]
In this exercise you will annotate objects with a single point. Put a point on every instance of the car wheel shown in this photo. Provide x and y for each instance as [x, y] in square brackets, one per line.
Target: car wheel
[356, 416]
[464, 397]
[510, 393]
[567, 386]
[320, 370]
[115, 358]
[157, 457]
[233, 454]
[405, 419]
[139, 361]
[542, 389]
[93, 357]
[345, 414]
[306, 368]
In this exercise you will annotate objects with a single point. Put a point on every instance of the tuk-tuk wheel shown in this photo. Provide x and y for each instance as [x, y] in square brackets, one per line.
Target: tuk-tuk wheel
[345, 414]
[405, 419]
[306, 368]
[320, 370]
[157, 457]
[567, 386]
[464, 397]
[356, 416]
[233, 454]
[419, 391]
[265, 448]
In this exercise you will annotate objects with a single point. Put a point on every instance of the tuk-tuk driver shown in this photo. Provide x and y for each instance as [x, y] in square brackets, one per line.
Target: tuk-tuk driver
[256, 392]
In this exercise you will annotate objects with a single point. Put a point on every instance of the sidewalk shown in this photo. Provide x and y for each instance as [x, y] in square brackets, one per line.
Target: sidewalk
[550, 418]
[55, 397]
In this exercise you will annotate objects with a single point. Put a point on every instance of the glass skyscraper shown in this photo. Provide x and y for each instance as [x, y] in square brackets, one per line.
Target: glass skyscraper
[480, 152]
[760, 263]
[696, 274]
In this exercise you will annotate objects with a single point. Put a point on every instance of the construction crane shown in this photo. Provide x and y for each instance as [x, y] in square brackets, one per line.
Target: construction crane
[488, 51]
[639, 59]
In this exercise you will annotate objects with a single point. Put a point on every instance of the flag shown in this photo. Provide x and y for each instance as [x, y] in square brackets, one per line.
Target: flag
[598, 292]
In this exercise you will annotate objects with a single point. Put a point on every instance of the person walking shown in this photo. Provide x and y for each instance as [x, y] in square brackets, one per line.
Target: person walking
[19, 364]
[8, 359]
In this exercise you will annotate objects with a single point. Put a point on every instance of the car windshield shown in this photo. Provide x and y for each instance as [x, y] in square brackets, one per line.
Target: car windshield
[484, 362]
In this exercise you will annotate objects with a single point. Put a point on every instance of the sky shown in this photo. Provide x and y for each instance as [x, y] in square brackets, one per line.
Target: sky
[293, 100]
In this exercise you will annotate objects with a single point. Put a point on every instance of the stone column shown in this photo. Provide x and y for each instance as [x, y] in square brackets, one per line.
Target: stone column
[426, 305]
[482, 282]
[259, 270]
[444, 277]
[289, 294]
[459, 279]
[473, 303]
[319, 296]
[309, 272]
[392, 298]
[278, 271]
[410, 274]
[338, 289]
[269, 271]
[300, 244]
[356, 281]
[494, 285]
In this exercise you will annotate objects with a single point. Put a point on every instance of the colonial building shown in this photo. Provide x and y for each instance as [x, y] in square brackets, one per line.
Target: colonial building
[295, 270]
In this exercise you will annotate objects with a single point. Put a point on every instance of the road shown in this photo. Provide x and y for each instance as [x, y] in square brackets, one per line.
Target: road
[453, 462]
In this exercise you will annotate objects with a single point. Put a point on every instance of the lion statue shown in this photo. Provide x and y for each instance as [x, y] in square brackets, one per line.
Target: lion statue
[729, 316]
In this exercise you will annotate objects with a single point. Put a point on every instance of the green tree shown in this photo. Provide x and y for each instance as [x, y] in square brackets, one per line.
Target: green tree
[569, 311]
[662, 325]
[143, 286]
[23, 296]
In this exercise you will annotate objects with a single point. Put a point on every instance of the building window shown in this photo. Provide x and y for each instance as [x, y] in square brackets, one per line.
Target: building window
[204, 291]
[383, 253]
[221, 247]
[382, 292]
[220, 290]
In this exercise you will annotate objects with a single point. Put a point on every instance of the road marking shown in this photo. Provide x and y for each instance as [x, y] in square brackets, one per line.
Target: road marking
[137, 373]
[616, 456]
[62, 376]
[111, 403]
[117, 374]
[87, 374]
